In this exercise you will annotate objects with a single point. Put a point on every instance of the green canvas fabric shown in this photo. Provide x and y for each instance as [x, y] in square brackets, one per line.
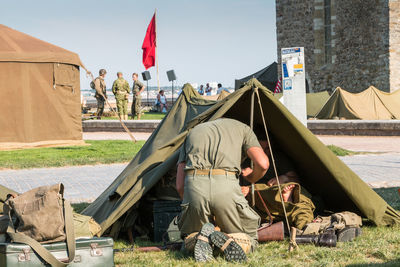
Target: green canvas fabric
[314, 102]
[370, 104]
[321, 171]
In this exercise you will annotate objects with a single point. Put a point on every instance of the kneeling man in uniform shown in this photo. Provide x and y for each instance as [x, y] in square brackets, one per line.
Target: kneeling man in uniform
[207, 181]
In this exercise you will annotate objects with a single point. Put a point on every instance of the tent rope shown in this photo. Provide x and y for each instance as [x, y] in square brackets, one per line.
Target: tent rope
[273, 160]
[253, 199]
[89, 73]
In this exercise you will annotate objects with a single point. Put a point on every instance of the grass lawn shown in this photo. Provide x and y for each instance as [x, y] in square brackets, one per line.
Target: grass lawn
[341, 151]
[105, 152]
[145, 116]
[377, 246]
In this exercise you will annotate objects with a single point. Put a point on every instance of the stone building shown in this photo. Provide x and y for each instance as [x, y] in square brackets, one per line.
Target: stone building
[348, 43]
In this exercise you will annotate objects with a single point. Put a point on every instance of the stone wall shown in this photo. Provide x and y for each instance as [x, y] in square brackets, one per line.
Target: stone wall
[294, 27]
[359, 42]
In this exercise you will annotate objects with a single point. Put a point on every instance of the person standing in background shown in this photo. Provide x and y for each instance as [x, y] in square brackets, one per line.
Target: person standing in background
[208, 89]
[137, 88]
[220, 89]
[201, 90]
[121, 91]
[101, 94]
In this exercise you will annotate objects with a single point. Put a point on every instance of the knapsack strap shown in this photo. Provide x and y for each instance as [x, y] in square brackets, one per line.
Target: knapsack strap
[40, 249]
[265, 207]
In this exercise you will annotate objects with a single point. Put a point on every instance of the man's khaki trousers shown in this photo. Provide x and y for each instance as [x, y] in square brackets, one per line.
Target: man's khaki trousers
[217, 199]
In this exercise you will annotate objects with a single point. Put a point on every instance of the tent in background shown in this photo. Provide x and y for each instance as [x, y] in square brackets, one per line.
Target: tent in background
[314, 102]
[321, 171]
[370, 104]
[267, 76]
[40, 86]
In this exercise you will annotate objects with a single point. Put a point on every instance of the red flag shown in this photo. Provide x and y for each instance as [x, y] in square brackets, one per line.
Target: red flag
[149, 45]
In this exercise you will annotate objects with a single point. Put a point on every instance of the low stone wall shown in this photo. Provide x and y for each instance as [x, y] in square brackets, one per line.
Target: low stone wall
[146, 126]
[355, 127]
[319, 127]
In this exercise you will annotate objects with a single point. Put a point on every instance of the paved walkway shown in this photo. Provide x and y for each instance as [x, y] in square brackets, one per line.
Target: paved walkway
[85, 183]
[363, 143]
[114, 136]
[82, 183]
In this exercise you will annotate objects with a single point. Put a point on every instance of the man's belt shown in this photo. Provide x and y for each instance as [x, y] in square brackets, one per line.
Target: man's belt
[210, 172]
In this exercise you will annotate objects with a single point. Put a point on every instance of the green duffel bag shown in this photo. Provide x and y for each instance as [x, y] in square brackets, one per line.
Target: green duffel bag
[93, 252]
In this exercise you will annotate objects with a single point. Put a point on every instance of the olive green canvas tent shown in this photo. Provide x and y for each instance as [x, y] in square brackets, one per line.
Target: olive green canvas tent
[370, 104]
[314, 102]
[268, 76]
[321, 172]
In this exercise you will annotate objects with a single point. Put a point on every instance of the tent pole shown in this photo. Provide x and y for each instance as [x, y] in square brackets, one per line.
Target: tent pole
[293, 242]
[253, 200]
[158, 77]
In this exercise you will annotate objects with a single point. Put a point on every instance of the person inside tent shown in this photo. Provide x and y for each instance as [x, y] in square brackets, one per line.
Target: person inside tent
[298, 204]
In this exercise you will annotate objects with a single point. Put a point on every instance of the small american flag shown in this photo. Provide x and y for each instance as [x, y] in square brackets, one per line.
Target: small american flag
[278, 86]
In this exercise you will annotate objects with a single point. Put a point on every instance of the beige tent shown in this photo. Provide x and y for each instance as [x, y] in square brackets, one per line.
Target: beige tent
[371, 104]
[40, 92]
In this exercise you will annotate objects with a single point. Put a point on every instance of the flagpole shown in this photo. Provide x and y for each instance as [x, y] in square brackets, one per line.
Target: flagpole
[158, 77]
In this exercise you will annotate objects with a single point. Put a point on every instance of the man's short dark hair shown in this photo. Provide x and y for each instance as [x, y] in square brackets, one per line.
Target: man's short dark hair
[219, 85]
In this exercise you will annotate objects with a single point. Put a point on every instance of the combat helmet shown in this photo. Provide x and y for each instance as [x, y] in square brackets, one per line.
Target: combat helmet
[102, 71]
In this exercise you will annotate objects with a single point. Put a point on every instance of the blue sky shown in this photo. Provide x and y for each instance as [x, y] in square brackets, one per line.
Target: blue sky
[202, 41]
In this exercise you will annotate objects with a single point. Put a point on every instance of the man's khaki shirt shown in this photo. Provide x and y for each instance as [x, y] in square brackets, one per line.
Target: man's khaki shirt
[219, 144]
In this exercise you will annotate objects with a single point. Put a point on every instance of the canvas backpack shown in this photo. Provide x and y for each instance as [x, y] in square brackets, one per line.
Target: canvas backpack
[42, 215]
[336, 221]
[92, 85]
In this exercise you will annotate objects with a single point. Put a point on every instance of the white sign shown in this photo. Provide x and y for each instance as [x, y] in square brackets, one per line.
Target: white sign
[294, 82]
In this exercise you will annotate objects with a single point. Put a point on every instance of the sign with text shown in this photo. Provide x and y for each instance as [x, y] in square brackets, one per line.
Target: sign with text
[294, 82]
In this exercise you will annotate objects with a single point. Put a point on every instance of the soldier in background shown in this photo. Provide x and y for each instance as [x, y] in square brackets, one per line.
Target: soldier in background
[121, 91]
[100, 87]
[137, 89]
